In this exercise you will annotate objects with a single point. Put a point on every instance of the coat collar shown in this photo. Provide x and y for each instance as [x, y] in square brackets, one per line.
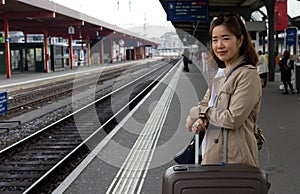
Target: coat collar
[239, 60]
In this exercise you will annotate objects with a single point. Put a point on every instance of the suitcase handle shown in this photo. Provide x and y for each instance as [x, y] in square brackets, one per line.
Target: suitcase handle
[225, 141]
[225, 147]
[196, 148]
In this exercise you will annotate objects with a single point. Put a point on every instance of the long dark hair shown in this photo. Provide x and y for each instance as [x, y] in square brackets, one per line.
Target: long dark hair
[236, 26]
[286, 54]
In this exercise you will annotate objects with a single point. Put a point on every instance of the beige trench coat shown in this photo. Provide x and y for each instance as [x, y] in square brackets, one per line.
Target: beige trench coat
[236, 108]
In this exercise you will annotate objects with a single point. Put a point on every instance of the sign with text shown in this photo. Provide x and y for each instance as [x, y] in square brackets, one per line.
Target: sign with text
[71, 30]
[3, 102]
[291, 36]
[187, 10]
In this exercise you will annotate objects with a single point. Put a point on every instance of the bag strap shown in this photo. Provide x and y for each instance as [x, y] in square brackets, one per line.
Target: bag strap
[225, 131]
[235, 68]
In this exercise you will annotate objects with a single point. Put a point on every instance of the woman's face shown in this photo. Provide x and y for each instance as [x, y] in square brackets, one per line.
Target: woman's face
[225, 45]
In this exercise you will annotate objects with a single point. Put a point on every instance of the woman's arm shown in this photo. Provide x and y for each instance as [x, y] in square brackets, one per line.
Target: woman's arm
[196, 110]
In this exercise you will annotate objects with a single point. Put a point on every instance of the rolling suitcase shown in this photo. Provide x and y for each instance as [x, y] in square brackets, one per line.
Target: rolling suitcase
[215, 179]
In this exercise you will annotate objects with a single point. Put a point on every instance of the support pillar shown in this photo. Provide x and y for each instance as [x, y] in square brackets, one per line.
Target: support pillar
[150, 52]
[81, 60]
[88, 45]
[138, 49]
[124, 54]
[26, 51]
[276, 42]
[135, 53]
[130, 54]
[101, 52]
[70, 51]
[111, 51]
[25, 37]
[270, 4]
[47, 56]
[7, 49]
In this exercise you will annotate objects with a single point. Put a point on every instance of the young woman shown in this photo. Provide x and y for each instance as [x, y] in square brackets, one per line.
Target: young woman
[234, 103]
[286, 72]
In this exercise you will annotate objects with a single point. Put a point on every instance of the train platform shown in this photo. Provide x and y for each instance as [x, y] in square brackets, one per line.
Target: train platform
[134, 156]
[26, 79]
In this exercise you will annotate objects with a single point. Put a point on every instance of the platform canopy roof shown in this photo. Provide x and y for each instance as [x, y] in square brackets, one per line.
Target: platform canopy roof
[40, 16]
[245, 8]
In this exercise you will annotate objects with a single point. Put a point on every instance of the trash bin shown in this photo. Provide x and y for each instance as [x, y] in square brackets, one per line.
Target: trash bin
[297, 77]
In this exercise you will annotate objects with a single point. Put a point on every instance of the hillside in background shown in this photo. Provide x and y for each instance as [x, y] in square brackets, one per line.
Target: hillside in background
[152, 31]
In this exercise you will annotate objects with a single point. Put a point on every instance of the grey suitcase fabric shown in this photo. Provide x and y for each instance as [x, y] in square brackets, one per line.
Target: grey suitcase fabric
[215, 179]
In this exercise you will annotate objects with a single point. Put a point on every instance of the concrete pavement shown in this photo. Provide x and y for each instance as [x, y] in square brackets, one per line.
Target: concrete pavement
[280, 120]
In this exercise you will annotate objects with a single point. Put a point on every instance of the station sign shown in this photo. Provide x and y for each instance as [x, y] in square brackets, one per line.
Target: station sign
[291, 36]
[130, 43]
[187, 10]
[3, 102]
[71, 30]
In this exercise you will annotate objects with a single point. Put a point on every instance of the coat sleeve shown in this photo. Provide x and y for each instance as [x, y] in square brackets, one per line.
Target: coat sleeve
[234, 105]
[202, 106]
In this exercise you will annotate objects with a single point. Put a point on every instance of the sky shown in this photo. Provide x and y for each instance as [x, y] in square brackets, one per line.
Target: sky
[124, 13]
[129, 13]
[293, 8]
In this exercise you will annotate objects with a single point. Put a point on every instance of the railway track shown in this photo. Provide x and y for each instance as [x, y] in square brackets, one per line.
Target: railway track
[31, 98]
[37, 163]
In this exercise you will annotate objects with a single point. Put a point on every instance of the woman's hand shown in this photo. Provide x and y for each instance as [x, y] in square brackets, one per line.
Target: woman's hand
[188, 124]
[199, 125]
[195, 126]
